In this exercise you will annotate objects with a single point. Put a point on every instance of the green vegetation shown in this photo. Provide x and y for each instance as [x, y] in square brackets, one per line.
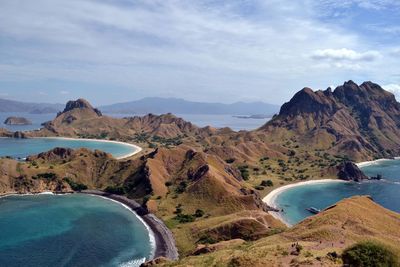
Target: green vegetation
[370, 253]
[75, 186]
[267, 183]
[244, 172]
[46, 176]
[114, 189]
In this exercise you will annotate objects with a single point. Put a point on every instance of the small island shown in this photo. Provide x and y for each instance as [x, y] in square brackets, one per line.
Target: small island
[17, 121]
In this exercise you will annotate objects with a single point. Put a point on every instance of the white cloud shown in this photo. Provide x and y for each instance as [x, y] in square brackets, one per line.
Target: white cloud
[345, 54]
[196, 50]
[393, 88]
[64, 92]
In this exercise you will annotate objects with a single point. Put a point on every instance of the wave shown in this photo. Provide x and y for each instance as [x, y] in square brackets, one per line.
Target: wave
[133, 263]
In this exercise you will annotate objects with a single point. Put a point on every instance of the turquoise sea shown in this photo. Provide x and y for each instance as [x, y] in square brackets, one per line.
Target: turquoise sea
[386, 192]
[21, 148]
[70, 230]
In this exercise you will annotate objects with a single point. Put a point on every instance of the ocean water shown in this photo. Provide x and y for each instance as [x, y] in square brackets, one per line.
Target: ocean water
[70, 230]
[386, 192]
[36, 119]
[201, 120]
[21, 148]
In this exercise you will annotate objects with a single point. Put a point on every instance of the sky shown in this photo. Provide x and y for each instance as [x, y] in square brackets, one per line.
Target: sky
[212, 51]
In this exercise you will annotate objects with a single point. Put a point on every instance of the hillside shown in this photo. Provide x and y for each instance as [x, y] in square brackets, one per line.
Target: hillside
[320, 238]
[160, 105]
[361, 121]
[80, 118]
[17, 106]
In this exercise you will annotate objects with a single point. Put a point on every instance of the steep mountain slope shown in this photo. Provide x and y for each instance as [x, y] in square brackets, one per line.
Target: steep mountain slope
[360, 121]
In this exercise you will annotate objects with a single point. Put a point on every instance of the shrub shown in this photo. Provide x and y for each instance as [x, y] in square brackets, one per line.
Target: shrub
[47, 176]
[229, 161]
[118, 190]
[267, 183]
[199, 213]
[181, 187]
[75, 186]
[369, 253]
[184, 218]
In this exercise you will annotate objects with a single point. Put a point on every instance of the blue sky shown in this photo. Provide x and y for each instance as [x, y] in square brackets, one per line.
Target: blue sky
[214, 51]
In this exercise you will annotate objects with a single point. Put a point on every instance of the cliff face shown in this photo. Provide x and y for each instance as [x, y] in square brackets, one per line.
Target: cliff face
[358, 120]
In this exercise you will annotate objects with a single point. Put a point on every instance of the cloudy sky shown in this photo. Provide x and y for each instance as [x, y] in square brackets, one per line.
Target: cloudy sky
[214, 51]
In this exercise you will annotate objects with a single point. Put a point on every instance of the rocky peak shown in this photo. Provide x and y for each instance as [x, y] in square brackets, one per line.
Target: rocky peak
[308, 101]
[79, 104]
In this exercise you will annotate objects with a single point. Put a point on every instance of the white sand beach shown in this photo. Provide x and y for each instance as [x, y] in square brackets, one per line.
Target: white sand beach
[270, 199]
[373, 162]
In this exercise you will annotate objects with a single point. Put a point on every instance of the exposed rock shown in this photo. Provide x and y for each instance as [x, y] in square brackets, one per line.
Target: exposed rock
[17, 121]
[19, 134]
[155, 262]
[350, 172]
[80, 104]
[360, 121]
[57, 153]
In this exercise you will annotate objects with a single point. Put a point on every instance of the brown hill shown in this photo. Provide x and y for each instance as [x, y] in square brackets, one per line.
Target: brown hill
[319, 238]
[79, 118]
[360, 121]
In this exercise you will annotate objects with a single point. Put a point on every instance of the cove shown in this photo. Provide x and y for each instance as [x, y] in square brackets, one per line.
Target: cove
[21, 148]
[385, 192]
[70, 230]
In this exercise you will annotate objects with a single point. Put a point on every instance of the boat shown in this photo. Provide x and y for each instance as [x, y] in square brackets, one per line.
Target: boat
[313, 210]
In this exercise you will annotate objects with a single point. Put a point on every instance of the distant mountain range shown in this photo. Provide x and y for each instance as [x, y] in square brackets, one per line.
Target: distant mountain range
[34, 108]
[155, 105]
[160, 105]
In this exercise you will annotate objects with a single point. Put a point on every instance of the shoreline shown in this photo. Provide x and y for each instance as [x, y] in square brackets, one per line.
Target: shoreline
[270, 199]
[374, 162]
[164, 242]
[136, 147]
[160, 236]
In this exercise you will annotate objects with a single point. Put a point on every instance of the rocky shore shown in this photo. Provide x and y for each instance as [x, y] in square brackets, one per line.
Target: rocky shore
[165, 242]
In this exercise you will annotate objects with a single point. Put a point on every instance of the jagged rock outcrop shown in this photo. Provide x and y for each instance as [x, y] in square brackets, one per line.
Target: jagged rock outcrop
[360, 121]
[350, 172]
[80, 104]
[17, 121]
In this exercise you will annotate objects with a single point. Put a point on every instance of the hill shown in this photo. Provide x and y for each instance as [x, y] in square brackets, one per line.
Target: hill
[160, 105]
[17, 106]
[319, 240]
[361, 121]
[80, 118]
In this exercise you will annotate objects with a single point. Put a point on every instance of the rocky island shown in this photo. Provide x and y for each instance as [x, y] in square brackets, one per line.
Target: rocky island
[17, 121]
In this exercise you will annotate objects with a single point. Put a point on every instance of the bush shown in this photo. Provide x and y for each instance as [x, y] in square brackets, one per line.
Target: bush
[267, 183]
[199, 213]
[184, 218]
[369, 253]
[47, 176]
[75, 186]
[117, 190]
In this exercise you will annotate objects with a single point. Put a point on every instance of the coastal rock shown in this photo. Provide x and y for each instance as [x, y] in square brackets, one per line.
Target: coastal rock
[350, 172]
[19, 134]
[154, 262]
[17, 121]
